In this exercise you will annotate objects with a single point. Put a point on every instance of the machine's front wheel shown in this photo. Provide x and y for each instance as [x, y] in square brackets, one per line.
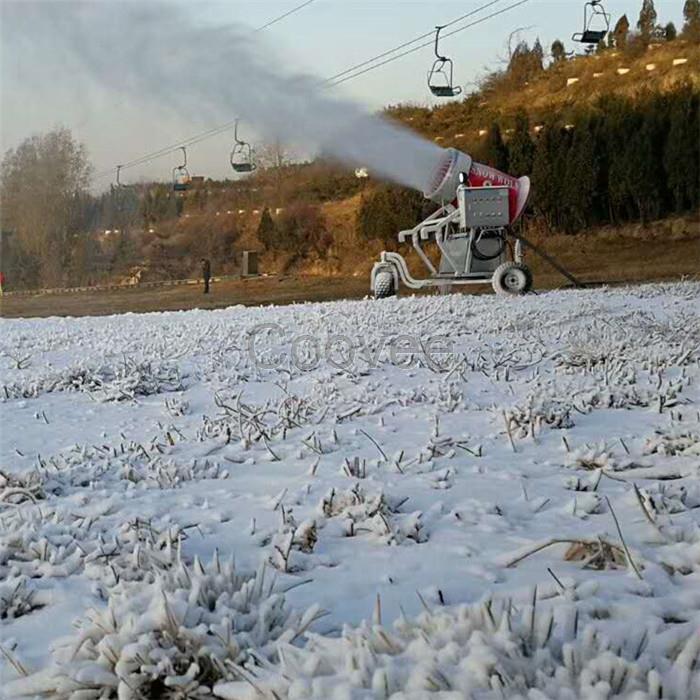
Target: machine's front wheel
[512, 278]
[384, 285]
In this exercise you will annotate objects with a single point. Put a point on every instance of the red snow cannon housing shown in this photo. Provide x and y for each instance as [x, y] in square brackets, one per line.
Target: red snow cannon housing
[445, 180]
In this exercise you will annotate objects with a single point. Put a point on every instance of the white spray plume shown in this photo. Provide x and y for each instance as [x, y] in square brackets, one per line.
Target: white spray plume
[154, 52]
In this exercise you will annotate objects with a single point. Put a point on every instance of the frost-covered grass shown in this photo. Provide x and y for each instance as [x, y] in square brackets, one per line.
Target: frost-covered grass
[519, 517]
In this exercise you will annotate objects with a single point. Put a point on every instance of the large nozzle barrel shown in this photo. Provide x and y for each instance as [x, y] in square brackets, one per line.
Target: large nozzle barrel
[445, 180]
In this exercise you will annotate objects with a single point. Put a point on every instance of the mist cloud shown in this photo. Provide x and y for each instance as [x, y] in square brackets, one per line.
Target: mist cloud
[154, 52]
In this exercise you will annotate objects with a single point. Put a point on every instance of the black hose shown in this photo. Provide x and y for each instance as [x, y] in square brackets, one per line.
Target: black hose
[488, 235]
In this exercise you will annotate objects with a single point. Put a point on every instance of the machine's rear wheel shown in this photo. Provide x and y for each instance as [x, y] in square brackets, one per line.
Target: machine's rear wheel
[384, 285]
[512, 278]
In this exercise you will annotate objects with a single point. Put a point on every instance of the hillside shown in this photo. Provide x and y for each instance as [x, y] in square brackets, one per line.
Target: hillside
[610, 141]
[559, 93]
[561, 89]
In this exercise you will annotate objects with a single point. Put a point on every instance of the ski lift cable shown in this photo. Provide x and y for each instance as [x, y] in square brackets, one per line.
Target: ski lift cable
[431, 33]
[167, 150]
[172, 148]
[431, 42]
[330, 82]
[283, 16]
[211, 132]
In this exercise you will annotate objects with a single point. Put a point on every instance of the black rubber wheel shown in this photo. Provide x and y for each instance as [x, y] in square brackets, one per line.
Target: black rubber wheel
[384, 285]
[512, 278]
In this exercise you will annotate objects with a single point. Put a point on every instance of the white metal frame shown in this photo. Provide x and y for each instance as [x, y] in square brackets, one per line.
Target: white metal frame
[438, 227]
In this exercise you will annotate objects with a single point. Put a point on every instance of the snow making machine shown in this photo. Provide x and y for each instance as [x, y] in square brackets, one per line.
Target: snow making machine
[472, 232]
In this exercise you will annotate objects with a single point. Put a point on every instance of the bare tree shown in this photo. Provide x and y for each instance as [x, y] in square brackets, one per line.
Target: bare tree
[512, 43]
[42, 187]
[275, 157]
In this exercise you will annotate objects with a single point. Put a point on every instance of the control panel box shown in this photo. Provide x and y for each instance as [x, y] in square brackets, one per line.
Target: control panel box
[483, 207]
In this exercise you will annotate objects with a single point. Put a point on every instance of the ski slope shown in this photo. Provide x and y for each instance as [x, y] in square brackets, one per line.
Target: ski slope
[447, 496]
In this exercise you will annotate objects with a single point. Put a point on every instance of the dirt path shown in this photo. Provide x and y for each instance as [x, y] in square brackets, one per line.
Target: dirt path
[610, 260]
[264, 290]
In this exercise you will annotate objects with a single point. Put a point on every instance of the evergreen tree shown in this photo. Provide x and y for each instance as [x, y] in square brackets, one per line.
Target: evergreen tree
[644, 161]
[537, 55]
[267, 230]
[618, 127]
[290, 234]
[600, 211]
[301, 228]
[495, 151]
[691, 13]
[647, 19]
[670, 32]
[558, 51]
[621, 32]
[580, 178]
[521, 149]
[682, 152]
[525, 62]
[126, 253]
[388, 210]
[374, 219]
[548, 169]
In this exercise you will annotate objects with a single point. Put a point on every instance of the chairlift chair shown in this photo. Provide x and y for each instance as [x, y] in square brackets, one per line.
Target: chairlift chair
[596, 24]
[117, 185]
[119, 190]
[181, 176]
[440, 76]
[241, 155]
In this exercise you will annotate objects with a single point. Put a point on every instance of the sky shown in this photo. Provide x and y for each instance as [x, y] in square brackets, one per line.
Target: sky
[42, 87]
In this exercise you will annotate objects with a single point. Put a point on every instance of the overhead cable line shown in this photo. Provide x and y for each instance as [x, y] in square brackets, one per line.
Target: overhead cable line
[429, 43]
[165, 150]
[431, 33]
[283, 16]
[170, 149]
[215, 131]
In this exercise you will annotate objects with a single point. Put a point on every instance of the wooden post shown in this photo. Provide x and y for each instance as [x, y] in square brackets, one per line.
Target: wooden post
[249, 266]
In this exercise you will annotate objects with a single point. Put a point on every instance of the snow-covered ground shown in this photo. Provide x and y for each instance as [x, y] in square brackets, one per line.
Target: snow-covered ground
[505, 491]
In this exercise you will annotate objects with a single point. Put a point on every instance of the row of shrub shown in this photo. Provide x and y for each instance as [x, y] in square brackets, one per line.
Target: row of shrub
[619, 160]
